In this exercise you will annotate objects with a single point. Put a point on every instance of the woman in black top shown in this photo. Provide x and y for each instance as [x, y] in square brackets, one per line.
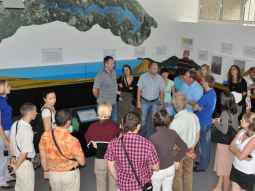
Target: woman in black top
[236, 83]
[126, 85]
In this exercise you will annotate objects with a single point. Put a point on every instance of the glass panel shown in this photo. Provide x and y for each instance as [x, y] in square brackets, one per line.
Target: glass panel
[249, 10]
[231, 10]
[209, 9]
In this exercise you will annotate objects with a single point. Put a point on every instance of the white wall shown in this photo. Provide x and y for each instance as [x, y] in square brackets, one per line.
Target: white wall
[24, 48]
[210, 36]
[186, 10]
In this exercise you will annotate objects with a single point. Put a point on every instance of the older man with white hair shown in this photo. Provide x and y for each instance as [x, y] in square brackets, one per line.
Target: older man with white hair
[187, 126]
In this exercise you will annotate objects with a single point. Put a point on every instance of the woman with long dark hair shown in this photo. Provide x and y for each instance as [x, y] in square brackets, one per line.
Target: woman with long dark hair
[227, 121]
[126, 86]
[236, 83]
[48, 109]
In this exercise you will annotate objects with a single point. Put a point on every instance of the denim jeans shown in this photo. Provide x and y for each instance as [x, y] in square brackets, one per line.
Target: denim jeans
[3, 161]
[148, 109]
[170, 109]
[204, 147]
[115, 112]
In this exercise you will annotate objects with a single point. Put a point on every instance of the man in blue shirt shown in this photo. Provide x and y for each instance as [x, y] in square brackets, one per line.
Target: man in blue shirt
[192, 90]
[204, 110]
[5, 125]
[178, 80]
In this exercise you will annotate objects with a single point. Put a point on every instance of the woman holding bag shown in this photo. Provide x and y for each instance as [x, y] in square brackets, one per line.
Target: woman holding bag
[226, 126]
[127, 88]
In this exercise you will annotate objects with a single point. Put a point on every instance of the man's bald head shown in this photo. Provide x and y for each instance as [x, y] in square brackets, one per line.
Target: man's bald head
[179, 101]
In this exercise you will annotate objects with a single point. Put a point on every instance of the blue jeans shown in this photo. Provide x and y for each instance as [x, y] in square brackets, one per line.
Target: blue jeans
[204, 147]
[115, 112]
[148, 109]
[170, 109]
[3, 161]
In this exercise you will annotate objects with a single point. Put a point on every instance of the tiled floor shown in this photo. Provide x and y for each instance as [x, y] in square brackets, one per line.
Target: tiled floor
[202, 181]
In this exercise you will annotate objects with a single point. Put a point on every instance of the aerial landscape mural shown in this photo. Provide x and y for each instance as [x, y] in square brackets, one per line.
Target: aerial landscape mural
[125, 18]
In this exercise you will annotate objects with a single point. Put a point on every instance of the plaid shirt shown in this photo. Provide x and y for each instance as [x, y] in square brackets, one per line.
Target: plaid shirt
[142, 154]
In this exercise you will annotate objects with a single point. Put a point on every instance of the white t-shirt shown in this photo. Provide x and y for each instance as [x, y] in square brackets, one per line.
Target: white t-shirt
[22, 139]
[247, 167]
[186, 124]
[249, 82]
[46, 112]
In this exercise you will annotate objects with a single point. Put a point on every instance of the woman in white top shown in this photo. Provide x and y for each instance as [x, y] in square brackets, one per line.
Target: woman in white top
[249, 77]
[48, 110]
[243, 148]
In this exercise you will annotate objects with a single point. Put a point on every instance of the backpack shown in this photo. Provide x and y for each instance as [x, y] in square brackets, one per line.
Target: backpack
[38, 128]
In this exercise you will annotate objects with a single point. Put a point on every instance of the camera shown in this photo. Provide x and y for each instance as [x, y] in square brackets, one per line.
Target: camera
[6, 153]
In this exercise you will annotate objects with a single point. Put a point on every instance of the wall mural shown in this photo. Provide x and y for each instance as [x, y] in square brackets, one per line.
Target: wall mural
[125, 18]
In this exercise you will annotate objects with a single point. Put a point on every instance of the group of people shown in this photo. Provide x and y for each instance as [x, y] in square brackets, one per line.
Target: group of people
[150, 135]
[188, 104]
[60, 153]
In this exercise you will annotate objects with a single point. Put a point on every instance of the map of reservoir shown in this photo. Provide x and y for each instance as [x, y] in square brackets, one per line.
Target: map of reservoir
[125, 18]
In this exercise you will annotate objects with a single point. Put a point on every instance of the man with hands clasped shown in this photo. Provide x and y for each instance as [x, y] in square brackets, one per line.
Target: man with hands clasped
[22, 149]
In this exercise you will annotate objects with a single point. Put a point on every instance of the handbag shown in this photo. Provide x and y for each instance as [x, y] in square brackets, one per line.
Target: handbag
[148, 186]
[226, 139]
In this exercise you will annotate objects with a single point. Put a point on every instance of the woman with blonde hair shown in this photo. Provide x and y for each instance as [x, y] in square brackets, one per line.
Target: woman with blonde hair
[99, 134]
[5, 126]
[203, 72]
